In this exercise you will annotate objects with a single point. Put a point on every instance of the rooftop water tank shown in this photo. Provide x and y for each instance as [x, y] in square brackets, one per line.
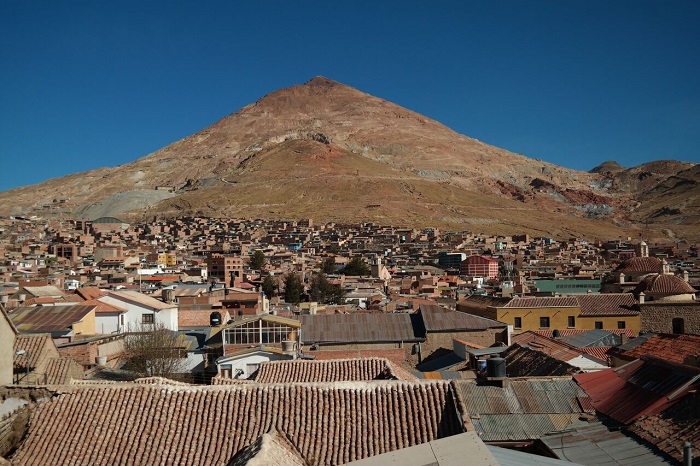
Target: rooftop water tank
[215, 319]
[496, 367]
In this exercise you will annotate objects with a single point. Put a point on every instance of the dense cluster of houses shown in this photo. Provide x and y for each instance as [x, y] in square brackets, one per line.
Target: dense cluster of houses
[518, 350]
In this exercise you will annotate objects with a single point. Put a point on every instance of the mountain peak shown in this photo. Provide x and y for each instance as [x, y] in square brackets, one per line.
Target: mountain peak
[321, 81]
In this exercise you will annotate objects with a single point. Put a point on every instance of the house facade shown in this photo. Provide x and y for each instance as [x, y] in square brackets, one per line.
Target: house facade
[479, 266]
[583, 312]
[250, 341]
[142, 310]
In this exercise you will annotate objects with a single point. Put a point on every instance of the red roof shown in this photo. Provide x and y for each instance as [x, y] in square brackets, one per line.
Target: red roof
[674, 348]
[637, 265]
[666, 284]
[565, 332]
[163, 278]
[607, 304]
[598, 352]
[645, 386]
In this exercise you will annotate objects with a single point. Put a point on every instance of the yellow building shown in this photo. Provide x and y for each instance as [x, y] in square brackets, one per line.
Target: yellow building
[609, 311]
[167, 259]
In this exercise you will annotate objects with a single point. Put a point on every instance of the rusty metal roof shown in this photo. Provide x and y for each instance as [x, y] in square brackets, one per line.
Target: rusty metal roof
[645, 386]
[527, 396]
[48, 318]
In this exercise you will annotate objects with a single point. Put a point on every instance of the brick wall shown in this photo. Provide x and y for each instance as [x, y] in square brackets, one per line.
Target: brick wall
[436, 340]
[659, 317]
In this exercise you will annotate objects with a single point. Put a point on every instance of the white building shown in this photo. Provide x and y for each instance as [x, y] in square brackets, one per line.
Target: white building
[142, 310]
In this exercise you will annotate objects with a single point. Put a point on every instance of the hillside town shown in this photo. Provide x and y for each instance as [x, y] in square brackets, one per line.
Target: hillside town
[214, 341]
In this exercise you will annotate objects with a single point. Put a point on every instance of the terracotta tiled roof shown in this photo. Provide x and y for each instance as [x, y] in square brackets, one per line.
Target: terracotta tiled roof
[143, 424]
[89, 292]
[608, 304]
[538, 302]
[665, 284]
[482, 302]
[102, 307]
[598, 352]
[669, 430]
[34, 345]
[575, 331]
[674, 348]
[638, 265]
[271, 448]
[194, 317]
[60, 371]
[333, 370]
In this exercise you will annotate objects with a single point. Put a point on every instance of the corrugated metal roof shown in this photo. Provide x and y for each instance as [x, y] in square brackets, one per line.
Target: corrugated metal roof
[644, 386]
[530, 396]
[48, 318]
[439, 319]
[520, 427]
[596, 337]
[508, 457]
[351, 328]
[599, 445]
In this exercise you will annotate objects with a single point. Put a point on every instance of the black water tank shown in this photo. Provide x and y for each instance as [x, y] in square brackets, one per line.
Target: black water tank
[556, 333]
[496, 367]
[215, 319]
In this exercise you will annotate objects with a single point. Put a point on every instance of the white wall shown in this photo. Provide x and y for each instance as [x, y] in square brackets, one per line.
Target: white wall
[252, 358]
[135, 312]
[106, 323]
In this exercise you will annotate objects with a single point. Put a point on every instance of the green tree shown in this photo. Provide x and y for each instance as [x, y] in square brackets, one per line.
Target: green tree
[268, 286]
[328, 265]
[323, 291]
[257, 261]
[357, 266]
[293, 288]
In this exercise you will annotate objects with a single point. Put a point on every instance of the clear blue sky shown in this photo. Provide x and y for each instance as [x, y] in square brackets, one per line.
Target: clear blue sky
[87, 84]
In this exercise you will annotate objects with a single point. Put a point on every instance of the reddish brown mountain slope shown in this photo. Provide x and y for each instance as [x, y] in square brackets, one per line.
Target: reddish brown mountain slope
[331, 152]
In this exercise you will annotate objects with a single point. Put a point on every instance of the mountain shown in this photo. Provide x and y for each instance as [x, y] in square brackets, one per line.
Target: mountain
[333, 153]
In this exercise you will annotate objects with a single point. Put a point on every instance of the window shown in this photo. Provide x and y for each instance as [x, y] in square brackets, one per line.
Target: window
[147, 318]
[599, 325]
[518, 322]
[259, 332]
[544, 322]
[571, 322]
[621, 324]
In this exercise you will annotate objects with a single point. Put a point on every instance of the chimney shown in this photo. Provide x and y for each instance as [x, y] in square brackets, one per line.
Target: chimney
[641, 298]
[622, 278]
